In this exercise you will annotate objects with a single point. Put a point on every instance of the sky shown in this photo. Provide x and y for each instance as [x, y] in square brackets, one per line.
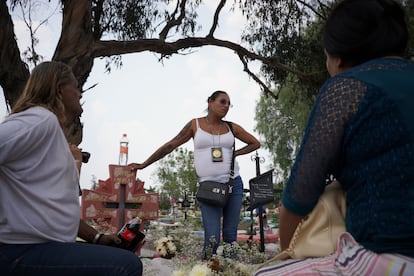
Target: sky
[151, 101]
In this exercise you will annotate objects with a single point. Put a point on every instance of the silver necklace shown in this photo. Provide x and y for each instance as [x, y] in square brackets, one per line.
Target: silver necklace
[211, 130]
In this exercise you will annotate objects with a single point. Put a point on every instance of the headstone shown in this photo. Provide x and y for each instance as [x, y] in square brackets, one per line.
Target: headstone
[117, 200]
[261, 190]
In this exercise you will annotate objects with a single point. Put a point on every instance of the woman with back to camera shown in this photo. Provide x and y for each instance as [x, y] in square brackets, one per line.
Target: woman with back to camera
[212, 132]
[39, 187]
[361, 131]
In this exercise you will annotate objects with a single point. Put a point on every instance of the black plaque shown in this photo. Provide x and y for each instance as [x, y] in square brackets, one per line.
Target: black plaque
[261, 190]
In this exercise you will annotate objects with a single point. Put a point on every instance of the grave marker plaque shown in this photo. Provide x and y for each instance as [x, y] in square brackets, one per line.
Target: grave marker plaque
[261, 190]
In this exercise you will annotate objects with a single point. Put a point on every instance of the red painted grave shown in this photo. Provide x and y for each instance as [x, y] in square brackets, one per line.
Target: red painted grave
[117, 200]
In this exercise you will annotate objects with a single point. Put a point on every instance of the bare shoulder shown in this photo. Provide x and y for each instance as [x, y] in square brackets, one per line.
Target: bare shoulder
[192, 124]
[201, 122]
[236, 127]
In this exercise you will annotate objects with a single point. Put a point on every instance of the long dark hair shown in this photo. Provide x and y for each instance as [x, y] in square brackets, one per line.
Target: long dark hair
[215, 95]
[359, 30]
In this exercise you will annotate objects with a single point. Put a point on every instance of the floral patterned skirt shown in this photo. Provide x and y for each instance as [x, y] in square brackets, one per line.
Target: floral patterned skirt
[351, 258]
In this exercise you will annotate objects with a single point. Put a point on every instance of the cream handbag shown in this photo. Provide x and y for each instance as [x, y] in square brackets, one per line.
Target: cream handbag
[317, 234]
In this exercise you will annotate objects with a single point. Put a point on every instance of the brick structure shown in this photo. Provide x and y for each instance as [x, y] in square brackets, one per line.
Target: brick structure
[118, 199]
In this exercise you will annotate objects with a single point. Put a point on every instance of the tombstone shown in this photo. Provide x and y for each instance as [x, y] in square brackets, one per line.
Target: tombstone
[261, 190]
[117, 200]
[261, 193]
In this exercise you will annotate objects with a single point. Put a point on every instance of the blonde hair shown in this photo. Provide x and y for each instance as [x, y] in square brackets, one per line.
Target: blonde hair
[42, 89]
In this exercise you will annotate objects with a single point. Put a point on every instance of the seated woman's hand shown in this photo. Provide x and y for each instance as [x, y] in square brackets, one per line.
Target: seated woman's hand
[76, 152]
[111, 240]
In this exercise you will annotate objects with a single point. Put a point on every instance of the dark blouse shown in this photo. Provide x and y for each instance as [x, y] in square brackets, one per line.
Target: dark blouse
[361, 130]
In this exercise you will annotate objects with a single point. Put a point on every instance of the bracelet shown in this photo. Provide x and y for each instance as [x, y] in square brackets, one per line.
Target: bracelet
[97, 238]
[78, 161]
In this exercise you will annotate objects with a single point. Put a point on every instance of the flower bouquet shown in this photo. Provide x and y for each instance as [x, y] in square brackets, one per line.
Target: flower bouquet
[165, 247]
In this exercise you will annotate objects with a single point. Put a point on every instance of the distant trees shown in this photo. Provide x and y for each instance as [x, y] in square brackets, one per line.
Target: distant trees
[176, 174]
[291, 34]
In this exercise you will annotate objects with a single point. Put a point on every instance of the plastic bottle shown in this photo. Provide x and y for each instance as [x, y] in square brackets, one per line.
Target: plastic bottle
[123, 150]
[130, 234]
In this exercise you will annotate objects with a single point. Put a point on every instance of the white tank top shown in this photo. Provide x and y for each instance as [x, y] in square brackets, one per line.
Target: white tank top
[205, 167]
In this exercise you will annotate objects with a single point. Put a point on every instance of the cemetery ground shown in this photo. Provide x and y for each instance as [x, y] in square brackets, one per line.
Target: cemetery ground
[184, 239]
[174, 238]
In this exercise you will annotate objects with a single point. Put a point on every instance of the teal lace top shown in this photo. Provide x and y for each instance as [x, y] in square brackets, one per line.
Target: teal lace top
[361, 131]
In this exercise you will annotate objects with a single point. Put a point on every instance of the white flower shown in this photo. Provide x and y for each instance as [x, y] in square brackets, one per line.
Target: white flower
[165, 247]
[199, 270]
[162, 240]
[179, 273]
[171, 247]
[162, 250]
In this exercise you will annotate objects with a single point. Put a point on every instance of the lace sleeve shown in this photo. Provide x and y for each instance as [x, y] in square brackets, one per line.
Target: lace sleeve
[320, 151]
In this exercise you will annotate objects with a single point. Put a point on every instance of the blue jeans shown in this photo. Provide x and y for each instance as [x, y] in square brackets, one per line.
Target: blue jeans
[67, 259]
[231, 217]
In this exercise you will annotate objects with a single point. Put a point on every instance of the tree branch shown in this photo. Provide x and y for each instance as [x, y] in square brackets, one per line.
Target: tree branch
[312, 8]
[97, 14]
[112, 47]
[76, 38]
[266, 89]
[174, 22]
[216, 16]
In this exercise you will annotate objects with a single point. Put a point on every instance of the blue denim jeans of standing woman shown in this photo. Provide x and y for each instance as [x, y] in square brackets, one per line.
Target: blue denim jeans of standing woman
[231, 217]
[67, 259]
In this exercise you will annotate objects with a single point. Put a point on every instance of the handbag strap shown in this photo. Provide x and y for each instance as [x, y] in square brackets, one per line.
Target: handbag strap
[234, 146]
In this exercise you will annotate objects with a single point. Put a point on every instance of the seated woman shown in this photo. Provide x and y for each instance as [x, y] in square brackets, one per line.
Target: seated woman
[39, 187]
[360, 130]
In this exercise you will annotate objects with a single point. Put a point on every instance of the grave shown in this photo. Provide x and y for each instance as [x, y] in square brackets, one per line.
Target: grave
[117, 200]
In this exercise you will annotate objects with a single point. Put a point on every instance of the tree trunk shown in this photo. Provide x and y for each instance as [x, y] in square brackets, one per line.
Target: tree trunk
[75, 49]
[76, 41]
[13, 71]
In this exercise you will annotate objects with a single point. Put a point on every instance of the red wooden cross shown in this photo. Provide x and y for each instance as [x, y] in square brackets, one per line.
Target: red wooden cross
[117, 200]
